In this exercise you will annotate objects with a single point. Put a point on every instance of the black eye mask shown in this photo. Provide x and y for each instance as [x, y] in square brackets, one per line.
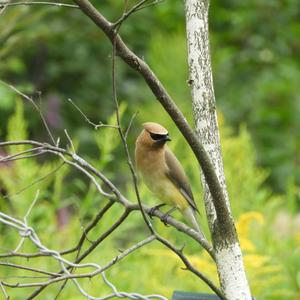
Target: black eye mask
[159, 137]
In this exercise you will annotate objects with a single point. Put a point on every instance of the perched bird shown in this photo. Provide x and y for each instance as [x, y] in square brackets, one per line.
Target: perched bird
[162, 172]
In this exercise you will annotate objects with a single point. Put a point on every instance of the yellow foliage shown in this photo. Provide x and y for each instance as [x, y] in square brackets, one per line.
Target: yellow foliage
[244, 221]
[262, 271]
[243, 229]
[297, 238]
[246, 245]
[204, 262]
[253, 261]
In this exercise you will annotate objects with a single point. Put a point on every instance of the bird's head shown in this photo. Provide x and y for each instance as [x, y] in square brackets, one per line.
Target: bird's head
[154, 135]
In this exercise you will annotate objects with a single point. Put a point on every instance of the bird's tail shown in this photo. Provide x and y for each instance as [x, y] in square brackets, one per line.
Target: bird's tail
[189, 214]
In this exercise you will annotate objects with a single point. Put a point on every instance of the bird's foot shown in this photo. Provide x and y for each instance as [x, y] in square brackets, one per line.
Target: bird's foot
[154, 208]
[166, 215]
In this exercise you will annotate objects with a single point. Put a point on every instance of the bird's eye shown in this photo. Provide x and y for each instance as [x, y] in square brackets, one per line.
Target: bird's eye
[158, 137]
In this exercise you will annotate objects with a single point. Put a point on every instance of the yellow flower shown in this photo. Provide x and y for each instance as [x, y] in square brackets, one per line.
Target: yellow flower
[247, 245]
[297, 238]
[255, 261]
[244, 221]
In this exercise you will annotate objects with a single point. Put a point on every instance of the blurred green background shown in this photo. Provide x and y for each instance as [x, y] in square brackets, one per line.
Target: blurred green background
[55, 54]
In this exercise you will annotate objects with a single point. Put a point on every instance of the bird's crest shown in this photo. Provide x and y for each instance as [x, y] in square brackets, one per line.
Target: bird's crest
[155, 128]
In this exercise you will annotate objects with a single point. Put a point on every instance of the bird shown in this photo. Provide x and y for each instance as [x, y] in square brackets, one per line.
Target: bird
[162, 172]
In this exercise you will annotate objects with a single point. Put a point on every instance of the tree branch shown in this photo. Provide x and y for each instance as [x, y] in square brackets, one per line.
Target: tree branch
[127, 14]
[38, 3]
[38, 109]
[7, 264]
[179, 253]
[86, 230]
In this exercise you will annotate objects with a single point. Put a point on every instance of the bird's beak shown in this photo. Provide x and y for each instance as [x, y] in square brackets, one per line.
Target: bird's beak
[167, 138]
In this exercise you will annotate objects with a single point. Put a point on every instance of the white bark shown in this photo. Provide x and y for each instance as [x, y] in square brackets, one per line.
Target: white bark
[231, 272]
[228, 254]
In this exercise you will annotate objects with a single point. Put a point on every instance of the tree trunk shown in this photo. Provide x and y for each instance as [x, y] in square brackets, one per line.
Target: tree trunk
[225, 241]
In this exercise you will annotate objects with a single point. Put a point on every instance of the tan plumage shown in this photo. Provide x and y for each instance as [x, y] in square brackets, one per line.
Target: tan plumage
[162, 172]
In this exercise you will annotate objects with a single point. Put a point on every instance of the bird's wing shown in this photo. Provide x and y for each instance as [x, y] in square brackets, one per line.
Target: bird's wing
[177, 175]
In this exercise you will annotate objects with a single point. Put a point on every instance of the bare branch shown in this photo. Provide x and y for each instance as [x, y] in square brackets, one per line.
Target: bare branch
[38, 109]
[126, 253]
[6, 4]
[86, 230]
[129, 125]
[126, 14]
[31, 206]
[10, 157]
[104, 236]
[154, 2]
[25, 221]
[189, 267]
[7, 264]
[70, 141]
[2, 287]
[96, 126]
[25, 255]
[35, 182]
[137, 7]
[24, 157]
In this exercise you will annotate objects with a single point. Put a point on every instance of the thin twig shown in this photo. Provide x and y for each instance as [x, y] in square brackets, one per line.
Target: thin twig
[96, 126]
[99, 189]
[92, 225]
[24, 157]
[4, 291]
[10, 157]
[126, 14]
[189, 267]
[24, 255]
[8, 264]
[38, 3]
[25, 220]
[86, 230]
[34, 182]
[61, 289]
[129, 125]
[34, 105]
[104, 236]
[155, 2]
[70, 141]
[31, 206]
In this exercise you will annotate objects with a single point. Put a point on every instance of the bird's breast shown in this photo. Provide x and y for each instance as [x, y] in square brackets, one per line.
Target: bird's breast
[163, 188]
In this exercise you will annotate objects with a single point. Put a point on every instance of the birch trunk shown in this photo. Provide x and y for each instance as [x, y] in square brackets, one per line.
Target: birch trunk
[225, 241]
